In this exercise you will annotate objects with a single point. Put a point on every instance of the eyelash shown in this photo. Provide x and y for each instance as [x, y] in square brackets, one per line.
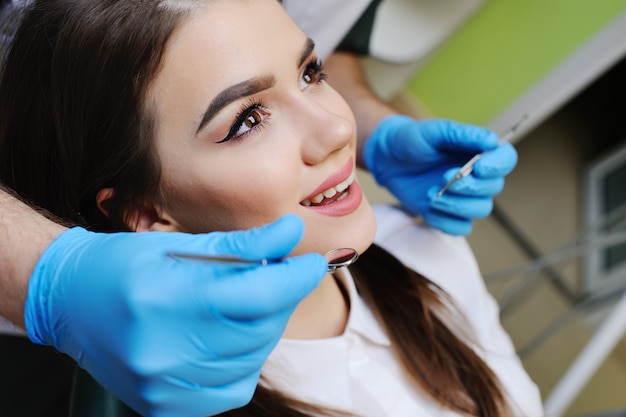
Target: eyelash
[247, 110]
[317, 66]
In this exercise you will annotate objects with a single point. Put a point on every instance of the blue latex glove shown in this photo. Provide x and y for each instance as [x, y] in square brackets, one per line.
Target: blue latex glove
[415, 159]
[170, 337]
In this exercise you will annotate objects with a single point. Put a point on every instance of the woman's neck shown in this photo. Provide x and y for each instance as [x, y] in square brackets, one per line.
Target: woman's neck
[322, 314]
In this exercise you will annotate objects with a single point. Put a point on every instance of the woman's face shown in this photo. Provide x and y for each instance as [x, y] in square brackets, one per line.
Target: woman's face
[248, 130]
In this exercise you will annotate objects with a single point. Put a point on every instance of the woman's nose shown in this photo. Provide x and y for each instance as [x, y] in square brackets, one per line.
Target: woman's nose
[329, 127]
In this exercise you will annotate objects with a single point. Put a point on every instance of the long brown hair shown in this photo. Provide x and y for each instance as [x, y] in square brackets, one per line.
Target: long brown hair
[72, 116]
[440, 361]
[73, 120]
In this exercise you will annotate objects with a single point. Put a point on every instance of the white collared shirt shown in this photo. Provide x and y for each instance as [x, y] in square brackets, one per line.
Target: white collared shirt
[358, 371]
[325, 21]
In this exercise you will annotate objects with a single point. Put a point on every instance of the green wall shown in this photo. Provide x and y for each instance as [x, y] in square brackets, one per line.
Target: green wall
[504, 49]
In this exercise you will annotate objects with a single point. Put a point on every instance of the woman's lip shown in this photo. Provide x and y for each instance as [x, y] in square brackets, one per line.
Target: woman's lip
[337, 177]
[342, 207]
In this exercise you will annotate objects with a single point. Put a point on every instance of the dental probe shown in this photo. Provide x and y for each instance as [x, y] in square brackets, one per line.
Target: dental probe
[337, 258]
[466, 169]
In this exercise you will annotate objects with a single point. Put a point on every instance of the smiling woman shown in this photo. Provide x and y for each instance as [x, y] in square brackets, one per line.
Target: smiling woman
[202, 116]
[270, 114]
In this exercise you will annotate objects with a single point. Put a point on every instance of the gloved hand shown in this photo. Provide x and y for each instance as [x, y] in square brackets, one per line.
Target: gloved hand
[170, 337]
[415, 159]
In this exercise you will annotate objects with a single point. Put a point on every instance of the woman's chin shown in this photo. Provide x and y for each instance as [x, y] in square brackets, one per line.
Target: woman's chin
[356, 231]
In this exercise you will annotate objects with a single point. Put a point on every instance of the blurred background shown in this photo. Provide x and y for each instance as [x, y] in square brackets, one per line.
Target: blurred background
[554, 251]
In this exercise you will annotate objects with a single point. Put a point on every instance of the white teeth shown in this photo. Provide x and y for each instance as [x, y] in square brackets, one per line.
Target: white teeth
[332, 191]
[317, 199]
[342, 186]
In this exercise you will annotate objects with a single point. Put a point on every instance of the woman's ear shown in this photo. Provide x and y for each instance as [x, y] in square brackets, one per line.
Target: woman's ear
[140, 219]
[103, 200]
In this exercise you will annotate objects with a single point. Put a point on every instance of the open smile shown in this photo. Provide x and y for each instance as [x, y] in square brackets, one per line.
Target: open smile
[338, 195]
[332, 194]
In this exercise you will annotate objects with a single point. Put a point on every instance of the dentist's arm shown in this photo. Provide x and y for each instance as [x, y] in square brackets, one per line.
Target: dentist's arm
[170, 338]
[24, 235]
[414, 159]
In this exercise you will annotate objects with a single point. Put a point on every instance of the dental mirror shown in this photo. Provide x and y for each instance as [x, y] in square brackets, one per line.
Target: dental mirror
[336, 258]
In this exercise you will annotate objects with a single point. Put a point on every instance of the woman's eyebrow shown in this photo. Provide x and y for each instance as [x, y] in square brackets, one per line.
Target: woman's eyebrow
[235, 92]
[247, 88]
[309, 46]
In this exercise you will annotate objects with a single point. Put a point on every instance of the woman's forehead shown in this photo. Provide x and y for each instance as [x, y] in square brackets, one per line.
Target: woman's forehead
[236, 34]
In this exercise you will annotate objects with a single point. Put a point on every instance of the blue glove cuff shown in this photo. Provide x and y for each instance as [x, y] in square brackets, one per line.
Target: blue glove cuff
[377, 143]
[39, 297]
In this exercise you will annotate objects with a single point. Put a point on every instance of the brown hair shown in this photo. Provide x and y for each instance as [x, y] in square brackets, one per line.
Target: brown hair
[66, 130]
[412, 310]
[73, 121]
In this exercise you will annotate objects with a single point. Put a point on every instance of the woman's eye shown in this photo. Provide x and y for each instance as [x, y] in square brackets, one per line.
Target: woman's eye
[309, 76]
[251, 118]
[312, 74]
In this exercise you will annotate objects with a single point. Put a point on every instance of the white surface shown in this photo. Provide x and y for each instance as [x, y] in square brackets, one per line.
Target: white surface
[326, 21]
[407, 30]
